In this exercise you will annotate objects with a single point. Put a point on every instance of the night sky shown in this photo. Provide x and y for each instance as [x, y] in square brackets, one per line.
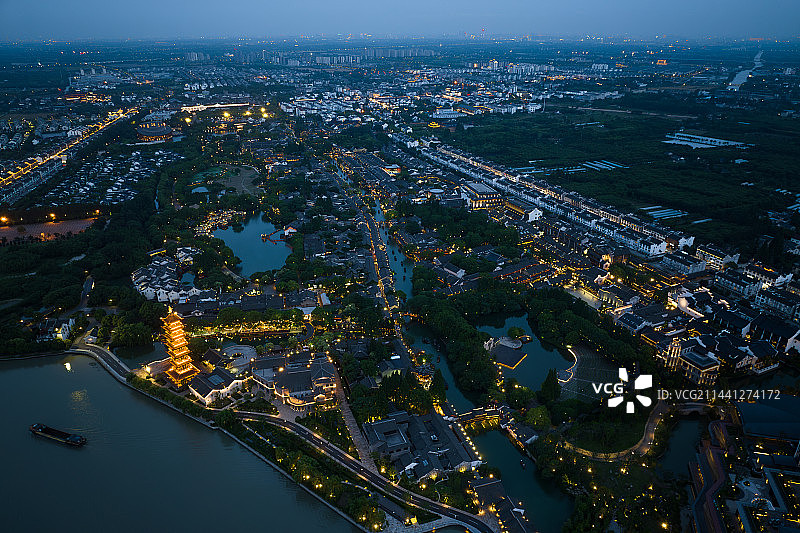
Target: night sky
[104, 19]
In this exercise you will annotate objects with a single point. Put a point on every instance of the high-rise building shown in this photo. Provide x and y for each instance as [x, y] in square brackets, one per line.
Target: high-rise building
[181, 369]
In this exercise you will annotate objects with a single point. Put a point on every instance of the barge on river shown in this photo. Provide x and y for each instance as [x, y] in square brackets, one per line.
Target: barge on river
[56, 434]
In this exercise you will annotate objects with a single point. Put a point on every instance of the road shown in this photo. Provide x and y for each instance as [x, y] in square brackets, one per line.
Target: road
[111, 360]
[88, 285]
[469, 520]
[11, 178]
[658, 412]
[232, 274]
[380, 258]
[308, 334]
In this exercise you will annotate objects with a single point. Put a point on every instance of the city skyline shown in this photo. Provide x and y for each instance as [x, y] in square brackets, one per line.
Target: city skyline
[346, 267]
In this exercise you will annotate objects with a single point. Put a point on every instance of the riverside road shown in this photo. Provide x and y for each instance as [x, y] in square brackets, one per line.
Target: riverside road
[469, 520]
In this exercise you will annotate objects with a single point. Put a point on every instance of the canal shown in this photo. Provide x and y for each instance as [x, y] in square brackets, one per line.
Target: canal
[401, 266]
[546, 506]
[144, 468]
[256, 255]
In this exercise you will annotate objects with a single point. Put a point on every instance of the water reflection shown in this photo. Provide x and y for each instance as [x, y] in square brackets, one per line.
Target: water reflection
[682, 446]
[257, 255]
[539, 359]
[138, 451]
[548, 508]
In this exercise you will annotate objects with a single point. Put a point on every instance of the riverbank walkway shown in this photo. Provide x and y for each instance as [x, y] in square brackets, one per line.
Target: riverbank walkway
[470, 521]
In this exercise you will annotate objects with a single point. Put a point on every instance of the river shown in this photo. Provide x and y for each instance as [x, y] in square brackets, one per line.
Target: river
[256, 255]
[742, 76]
[145, 467]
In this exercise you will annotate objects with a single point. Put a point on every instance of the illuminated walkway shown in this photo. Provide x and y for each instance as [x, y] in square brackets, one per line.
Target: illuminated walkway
[638, 449]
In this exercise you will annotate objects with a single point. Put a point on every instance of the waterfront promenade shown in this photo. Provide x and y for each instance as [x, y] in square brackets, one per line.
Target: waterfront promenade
[475, 524]
[450, 515]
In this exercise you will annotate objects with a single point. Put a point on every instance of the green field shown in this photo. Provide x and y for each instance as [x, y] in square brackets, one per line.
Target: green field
[210, 174]
[705, 183]
[568, 137]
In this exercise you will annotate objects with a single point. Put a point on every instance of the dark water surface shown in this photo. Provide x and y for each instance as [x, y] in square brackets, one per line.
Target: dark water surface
[145, 467]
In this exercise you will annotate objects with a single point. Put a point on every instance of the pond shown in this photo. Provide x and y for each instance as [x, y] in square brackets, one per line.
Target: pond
[187, 280]
[682, 446]
[257, 255]
[780, 379]
[538, 361]
[137, 356]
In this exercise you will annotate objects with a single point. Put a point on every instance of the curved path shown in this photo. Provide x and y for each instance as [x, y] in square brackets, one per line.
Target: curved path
[469, 520]
[640, 448]
[119, 371]
[111, 362]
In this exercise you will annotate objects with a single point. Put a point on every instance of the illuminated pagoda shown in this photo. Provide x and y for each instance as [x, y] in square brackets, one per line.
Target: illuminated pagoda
[181, 369]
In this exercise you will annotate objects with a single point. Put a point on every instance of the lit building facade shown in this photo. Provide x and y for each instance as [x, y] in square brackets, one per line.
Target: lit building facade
[181, 369]
[481, 196]
[153, 131]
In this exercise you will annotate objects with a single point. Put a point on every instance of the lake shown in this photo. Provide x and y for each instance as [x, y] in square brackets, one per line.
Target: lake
[256, 255]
